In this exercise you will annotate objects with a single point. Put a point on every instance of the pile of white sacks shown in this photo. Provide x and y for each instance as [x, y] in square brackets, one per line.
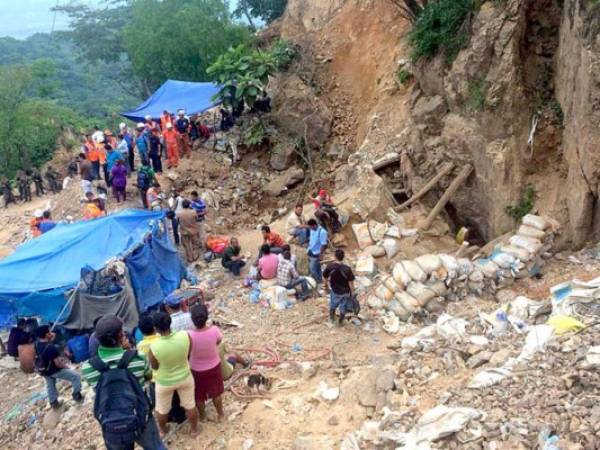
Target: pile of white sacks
[436, 278]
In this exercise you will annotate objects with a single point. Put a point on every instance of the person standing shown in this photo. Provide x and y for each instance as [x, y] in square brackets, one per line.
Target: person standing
[94, 158]
[169, 358]
[198, 205]
[36, 176]
[7, 192]
[317, 243]
[127, 137]
[118, 176]
[24, 183]
[52, 366]
[52, 177]
[182, 126]
[154, 197]
[86, 171]
[170, 140]
[205, 362]
[340, 280]
[145, 179]
[232, 260]
[288, 277]
[181, 319]
[190, 231]
[165, 120]
[154, 152]
[141, 143]
[102, 160]
[125, 392]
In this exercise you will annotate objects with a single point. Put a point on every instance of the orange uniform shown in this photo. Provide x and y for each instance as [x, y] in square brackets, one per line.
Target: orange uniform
[101, 153]
[170, 137]
[34, 224]
[92, 153]
[91, 211]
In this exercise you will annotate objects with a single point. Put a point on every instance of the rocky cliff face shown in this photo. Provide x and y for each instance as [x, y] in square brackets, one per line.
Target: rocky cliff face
[520, 103]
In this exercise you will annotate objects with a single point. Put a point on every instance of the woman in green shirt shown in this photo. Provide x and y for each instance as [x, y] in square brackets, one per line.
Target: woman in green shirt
[168, 357]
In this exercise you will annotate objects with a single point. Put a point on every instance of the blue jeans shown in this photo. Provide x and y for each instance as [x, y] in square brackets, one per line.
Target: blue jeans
[314, 266]
[302, 235]
[234, 266]
[63, 374]
[149, 440]
[303, 286]
[338, 301]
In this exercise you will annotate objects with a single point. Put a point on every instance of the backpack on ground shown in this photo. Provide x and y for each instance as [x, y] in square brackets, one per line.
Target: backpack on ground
[143, 179]
[121, 405]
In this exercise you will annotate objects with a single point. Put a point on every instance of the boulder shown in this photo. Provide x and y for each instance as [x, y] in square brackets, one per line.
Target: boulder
[282, 156]
[280, 184]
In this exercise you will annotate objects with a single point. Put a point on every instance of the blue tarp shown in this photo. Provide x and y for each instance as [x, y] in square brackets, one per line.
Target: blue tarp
[174, 95]
[34, 279]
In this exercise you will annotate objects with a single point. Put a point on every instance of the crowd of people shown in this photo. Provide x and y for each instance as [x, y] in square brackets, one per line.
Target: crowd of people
[23, 181]
[165, 370]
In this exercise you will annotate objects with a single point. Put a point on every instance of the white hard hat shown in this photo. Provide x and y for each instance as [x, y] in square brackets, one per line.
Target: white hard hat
[140, 125]
[38, 214]
[100, 138]
[122, 126]
[169, 125]
[181, 111]
[148, 117]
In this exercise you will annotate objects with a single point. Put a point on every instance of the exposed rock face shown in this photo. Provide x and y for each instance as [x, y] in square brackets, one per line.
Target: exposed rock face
[521, 103]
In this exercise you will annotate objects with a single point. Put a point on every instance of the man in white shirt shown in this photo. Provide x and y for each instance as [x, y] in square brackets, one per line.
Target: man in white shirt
[296, 225]
[181, 320]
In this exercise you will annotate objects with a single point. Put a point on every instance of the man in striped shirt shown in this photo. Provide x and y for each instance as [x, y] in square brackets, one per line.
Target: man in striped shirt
[113, 344]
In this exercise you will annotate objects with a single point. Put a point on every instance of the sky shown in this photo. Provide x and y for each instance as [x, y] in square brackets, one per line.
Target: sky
[22, 18]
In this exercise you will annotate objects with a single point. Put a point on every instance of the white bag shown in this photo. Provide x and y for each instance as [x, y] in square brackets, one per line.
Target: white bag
[420, 293]
[527, 231]
[439, 288]
[519, 253]
[361, 233]
[401, 276]
[465, 266]
[391, 284]
[375, 302]
[488, 267]
[450, 263]
[403, 305]
[530, 244]
[414, 270]
[376, 251]
[429, 263]
[476, 276]
[503, 260]
[391, 246]
[365, 265]
[383, 293]
[535, 221]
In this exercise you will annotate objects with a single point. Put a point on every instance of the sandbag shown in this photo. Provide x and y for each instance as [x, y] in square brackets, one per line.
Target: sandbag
[429, 263]
[530, 244]
[476, 276]
[420, 292]
[440, 274]
[535, 221]
[391, 246]
[450, 263]
[520, 253]
[488, 267]
[465, 266]
[527, 231]
[361, 233]
[365, 265]
[277, 297]
[503, 260]
[391, 284]
[401, 276]
[374, 302]
[439, 288]
[376, 251]
[414, 270]
[393, 232]
[403, 305]
[383, 293]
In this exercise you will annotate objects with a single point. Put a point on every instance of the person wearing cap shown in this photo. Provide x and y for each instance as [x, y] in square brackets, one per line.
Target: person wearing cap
[181, 319]
[34, 223]
[169, 358]
[170, 140]
[127, 137]
[325, 211]
[109, 138]
[55, 367]
[150, 124]
[94, 159]
[141, 142]
[190, 230]
[182, 126]
[113, 344]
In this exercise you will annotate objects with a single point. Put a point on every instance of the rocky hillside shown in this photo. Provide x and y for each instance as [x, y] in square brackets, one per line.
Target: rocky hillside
[519, 103]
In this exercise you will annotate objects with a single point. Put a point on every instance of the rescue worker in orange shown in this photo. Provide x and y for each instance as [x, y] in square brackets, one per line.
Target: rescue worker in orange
[102, 160]
[90, 208]
[165, 119]
[34, 223]
[94, 158]
[170, 141]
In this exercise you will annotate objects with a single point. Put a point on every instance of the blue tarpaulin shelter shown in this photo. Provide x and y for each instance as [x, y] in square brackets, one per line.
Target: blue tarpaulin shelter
[35, 278]
[173, 95]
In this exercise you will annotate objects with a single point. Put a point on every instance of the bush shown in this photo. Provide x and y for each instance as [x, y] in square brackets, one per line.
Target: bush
[404, 76]
[525, 206]
[477, 94]
[439, 27]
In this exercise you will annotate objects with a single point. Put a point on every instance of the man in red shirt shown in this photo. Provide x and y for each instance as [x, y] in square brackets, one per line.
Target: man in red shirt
[273, 240]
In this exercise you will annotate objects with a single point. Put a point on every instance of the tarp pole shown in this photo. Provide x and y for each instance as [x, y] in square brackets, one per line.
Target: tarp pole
[62, 311]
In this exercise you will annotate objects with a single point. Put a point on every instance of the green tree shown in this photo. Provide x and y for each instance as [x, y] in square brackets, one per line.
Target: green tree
[265, 10]
[179, 39]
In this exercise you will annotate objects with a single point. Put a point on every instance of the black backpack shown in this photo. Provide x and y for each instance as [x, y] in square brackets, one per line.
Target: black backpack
[121, 405]
[38, 363]
[143, 179]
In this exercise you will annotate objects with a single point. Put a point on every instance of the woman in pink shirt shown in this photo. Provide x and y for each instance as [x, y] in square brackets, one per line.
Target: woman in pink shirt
[205, 362]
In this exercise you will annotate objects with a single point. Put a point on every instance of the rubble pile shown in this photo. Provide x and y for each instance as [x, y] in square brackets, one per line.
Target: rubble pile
[434, 279]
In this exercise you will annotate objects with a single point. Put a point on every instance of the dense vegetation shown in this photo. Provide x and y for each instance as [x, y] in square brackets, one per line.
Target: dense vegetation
[440, 26]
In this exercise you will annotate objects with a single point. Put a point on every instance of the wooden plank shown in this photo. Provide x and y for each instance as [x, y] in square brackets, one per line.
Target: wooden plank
[445, 170]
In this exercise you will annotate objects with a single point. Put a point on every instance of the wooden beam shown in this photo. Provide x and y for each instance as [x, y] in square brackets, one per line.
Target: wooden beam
[456, 183]
[445, 170]
[387, 160]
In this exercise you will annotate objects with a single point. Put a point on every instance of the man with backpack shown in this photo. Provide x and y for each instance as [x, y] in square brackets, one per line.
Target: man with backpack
[340, 280]
[145, 179]
[118, 375]
[52, 366]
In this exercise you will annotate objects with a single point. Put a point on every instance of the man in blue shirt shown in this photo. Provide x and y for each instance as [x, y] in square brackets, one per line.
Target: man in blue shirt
[47, 223]
[317, 244]
[199, 206]
[129, 139]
